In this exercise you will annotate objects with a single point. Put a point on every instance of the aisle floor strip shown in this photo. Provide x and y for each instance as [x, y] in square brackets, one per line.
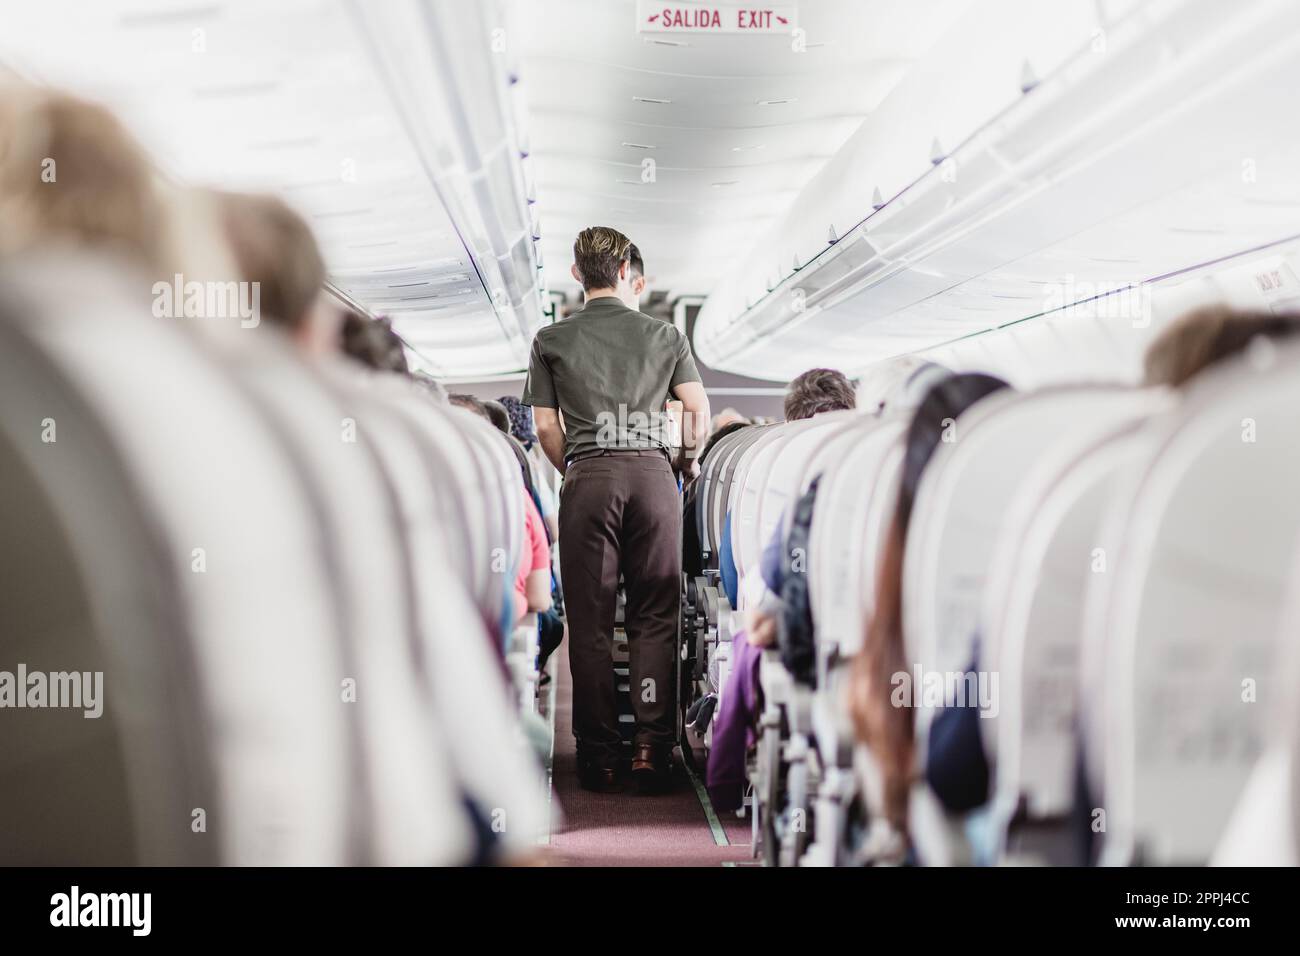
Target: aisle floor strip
[719, 834]
[545, 838]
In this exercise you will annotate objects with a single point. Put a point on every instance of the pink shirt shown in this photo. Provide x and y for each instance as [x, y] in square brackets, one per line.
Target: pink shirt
[536, 556]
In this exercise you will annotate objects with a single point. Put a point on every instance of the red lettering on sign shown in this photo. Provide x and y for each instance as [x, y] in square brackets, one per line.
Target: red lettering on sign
[690, 18]
[754, 19]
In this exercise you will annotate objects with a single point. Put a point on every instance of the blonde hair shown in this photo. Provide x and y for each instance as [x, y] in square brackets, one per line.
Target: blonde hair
[70, 172]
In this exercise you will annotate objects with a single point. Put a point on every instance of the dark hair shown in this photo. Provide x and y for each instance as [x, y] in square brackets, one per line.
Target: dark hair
[1203, 336]
[497, 414]
[521, 420]
[886, 728]
[718, 435]
[373, 343]
[274, 247]
[634, 260]
[430, 385]
[818, 390]
[599, 252]
[470, 403]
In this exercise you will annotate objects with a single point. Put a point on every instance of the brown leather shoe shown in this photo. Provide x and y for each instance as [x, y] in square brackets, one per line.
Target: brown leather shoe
[599, 779]
[649, 770]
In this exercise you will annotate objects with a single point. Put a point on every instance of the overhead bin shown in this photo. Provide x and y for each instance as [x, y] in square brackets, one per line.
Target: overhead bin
[1150, 150]
[391, 126]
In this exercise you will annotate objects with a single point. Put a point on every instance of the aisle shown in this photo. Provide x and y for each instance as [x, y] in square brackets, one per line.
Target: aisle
[623, 829]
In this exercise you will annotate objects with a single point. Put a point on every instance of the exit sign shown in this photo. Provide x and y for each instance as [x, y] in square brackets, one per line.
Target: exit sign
[657, 17]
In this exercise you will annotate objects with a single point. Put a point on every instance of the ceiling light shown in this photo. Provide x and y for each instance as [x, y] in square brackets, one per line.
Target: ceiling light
[638, 145]
[650, 99]
[790, 99]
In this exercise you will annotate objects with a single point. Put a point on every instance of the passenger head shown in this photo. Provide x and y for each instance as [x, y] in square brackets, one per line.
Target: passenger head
[431, 385]
[274, 247]
[470, 403]
[719, 434]
[818, 390]
[602, 261]
[1203, 336]
[521, 419]
[886, 728]
[497, 414]
[70, 173]
[726, 417]
[373, 343]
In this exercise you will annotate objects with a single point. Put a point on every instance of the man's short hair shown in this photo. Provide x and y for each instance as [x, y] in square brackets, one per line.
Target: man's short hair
[818, 390]
[274, 247]
[598, 253]
[635, 263]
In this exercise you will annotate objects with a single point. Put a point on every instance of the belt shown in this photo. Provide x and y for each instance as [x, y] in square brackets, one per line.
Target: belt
[602, 452]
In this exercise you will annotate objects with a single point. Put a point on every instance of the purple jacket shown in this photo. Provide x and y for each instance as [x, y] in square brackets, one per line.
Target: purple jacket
[733, 728]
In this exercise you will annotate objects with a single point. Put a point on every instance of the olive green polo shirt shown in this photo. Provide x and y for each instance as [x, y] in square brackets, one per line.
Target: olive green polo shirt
[609, 369]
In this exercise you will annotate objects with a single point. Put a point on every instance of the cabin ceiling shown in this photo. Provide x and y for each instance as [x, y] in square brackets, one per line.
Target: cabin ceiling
[725, 165]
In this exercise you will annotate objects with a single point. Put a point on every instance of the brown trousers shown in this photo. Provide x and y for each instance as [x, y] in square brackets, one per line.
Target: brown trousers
[620, 510]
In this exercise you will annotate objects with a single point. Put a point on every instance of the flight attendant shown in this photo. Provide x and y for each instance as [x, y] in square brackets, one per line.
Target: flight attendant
[608, 370]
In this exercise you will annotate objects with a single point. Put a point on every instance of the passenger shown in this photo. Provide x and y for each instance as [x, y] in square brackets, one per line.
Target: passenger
[497, 415]
[431, 385]
[692, 547]
[71, 174]
[373, 343]
[533, 578]
[521, 421]
[771, 596]
[274, 247]
[728, 416]
[521, 429]
[816, 391]
[882, 724]
[1203, 336]
[608, 369]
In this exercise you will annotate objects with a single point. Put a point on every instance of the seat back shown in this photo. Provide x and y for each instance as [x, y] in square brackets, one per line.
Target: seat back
[720, 496]
[1032, 620]
[854, 504]
[455, 651]
[964, 495]
[1195, 607]
[409, 790]
[244, 689]
[710, 473]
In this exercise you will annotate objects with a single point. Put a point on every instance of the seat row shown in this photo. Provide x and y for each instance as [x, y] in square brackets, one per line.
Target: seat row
[1113, 575]
[294, 577]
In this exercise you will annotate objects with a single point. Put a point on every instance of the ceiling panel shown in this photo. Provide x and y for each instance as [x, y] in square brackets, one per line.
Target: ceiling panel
[732, 126]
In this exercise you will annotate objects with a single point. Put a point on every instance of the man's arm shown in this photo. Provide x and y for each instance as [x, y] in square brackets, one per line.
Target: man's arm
[551, 434]
[695, 419]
